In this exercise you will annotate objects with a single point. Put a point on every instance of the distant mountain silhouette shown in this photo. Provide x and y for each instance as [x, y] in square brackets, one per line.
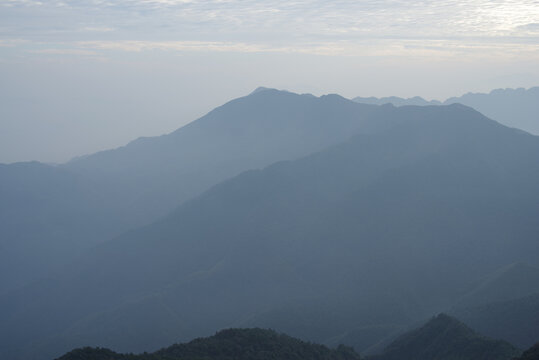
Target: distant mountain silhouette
[395, 100]
[504, 305]
[512, 107]
[446, 338]
[52, 213]
[113, 191]
[512, 320]
[231, 344]
[511, 282]
[154, 175]
[385, 228]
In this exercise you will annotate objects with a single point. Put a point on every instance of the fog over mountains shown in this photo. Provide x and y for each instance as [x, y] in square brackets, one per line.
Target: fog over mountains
[327, 219]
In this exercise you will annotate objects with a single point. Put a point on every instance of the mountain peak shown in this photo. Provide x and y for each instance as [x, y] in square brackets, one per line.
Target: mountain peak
[261, 89]
[445, 337]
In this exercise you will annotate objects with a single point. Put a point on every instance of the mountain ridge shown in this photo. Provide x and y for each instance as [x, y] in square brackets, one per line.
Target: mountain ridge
[512, 107]
[138, 183]
[308, 236]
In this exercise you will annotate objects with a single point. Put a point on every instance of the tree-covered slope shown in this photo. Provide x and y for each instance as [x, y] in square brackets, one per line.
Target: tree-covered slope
[231, 344]
[445, 338]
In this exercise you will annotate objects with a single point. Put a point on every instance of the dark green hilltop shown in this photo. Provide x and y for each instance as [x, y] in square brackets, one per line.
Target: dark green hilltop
[231, 344]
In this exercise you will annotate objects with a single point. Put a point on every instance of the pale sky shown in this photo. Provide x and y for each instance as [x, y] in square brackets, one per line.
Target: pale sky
[81, 76]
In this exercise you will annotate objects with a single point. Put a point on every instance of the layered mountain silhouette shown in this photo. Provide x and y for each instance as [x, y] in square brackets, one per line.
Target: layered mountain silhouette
[524, 105]
[52, 213]
[230, 344]
[513, 320]
[156, 174]
[512, 107]
[445, 338]
[383, 229]
[505, 305]
[396, 101]
[508, 283]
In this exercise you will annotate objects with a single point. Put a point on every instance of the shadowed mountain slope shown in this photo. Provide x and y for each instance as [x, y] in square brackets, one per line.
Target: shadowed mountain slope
[156, 174]
[385, 228]
[511, 282]
[531, 354]
[512, 107]
[52, 213]
[445, 338]
[504, 305]
[512, 320]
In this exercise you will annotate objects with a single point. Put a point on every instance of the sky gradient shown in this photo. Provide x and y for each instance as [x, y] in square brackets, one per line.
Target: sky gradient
[82, 76]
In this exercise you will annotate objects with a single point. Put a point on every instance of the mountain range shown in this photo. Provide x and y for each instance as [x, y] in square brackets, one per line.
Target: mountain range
[50, 214]
[445, 338]
[442, 337]
[516, 108]
[389, 224]
[323, 218]
[53, 213]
